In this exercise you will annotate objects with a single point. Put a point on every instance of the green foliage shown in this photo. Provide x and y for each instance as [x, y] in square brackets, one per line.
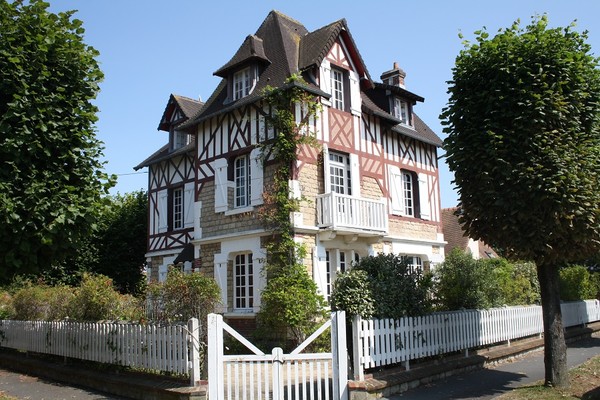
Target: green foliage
[115, 249]
[282, 313]
[122, 241]
[576, 283]
[291, 307]
[390, 289]
[352, 293]
[97, 299]
[7, 310]
[51, 182]
[38, 302]
[524, 142]
[183, 296]
[462, 282]
[517, 282]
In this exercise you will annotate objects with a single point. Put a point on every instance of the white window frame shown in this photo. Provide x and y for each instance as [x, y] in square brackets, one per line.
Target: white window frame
[178, 212]
[408, 193]
[243, 83]
[243, 282]
[402, 110]
[340, 177]
[242, 181]
[337, 88]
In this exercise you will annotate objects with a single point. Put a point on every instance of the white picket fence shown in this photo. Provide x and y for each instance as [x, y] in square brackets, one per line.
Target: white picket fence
[171, 348]
[382, 342]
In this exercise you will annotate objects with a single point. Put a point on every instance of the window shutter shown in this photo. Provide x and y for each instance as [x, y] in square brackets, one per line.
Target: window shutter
[325, 78]
[188, 205]
[424, 197]
[396, 190]
[220, 275]
[354, 175]
[256, 174]
[163, 206]
[355, 100]
[326, 177]
[220, 167]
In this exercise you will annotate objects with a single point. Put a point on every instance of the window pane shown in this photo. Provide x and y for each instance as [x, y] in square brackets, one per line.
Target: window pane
[407, 183]
[178, 208]
[337, 89]
[242, 181]
[244, 282]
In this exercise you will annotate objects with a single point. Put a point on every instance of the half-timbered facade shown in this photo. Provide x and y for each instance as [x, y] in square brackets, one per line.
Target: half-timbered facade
[171, 190]
[372, 186]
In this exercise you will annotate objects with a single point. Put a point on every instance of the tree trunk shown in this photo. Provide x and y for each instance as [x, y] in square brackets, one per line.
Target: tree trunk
[555, 349]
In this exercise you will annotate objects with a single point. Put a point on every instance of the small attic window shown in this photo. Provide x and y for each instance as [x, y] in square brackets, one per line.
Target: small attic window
[243, 82]
[401, 110]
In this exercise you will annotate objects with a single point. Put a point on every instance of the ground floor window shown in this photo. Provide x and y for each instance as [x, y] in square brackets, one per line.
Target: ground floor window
[337, 261]
[415, 263]
[243, 282]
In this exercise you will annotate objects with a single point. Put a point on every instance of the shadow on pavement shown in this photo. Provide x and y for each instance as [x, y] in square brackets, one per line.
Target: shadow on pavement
[483, 383]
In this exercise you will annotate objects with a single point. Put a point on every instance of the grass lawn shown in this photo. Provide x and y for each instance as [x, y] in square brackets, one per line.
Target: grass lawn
[584, 384]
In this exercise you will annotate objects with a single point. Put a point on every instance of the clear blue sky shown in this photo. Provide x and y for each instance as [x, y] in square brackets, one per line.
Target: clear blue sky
[150, 49]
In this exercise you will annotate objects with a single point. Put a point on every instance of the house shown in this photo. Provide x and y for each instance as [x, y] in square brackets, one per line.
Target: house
[372, 186]
[456, 238]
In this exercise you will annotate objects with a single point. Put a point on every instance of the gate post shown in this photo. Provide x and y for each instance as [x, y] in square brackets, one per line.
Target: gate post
[359, 373]
[340, 355]
[194, 351]
[215, 356]
[277, 366]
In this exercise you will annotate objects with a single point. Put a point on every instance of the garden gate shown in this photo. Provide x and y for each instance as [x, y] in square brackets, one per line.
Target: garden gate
[278, 376]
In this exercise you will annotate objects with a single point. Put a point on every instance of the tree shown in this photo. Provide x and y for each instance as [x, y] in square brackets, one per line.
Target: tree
[524, 145]
[115, 248]
[122, 240]
[51, 181]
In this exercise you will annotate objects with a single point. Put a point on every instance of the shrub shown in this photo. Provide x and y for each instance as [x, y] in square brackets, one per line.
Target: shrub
[516, 283]
[183, 296]
[390, 289]
[576, 283]
[40, 302]
[352, 293]
[462, 282]
[7, 310]
[96, 299]
[290, 305]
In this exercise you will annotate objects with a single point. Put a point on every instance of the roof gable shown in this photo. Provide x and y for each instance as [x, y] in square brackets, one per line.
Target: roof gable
[178, 110]
[328, 42]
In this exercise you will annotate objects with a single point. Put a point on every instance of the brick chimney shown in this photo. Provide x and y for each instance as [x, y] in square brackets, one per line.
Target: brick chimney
[394, 77]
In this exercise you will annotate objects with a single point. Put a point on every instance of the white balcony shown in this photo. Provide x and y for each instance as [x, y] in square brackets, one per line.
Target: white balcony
[353, 215]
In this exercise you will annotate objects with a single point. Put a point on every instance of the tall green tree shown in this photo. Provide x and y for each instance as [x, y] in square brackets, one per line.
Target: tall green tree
[122, 241]
[51, 180]
[524, 145]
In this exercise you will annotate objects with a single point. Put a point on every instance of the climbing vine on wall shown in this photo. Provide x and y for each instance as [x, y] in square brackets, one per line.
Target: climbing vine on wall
[291, 306]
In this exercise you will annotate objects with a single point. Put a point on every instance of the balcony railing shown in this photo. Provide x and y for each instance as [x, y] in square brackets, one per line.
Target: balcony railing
[348, 213]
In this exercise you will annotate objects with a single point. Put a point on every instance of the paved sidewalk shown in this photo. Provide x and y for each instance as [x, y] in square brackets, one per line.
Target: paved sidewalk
[29, 387]
[491, 382]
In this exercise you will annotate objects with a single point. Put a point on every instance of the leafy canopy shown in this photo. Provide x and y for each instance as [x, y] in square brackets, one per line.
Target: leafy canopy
[524, 142]
[51, 181]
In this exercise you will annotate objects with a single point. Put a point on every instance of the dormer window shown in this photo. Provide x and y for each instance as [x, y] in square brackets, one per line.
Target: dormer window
[243, 83]
[180, 139]
[402, 110]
